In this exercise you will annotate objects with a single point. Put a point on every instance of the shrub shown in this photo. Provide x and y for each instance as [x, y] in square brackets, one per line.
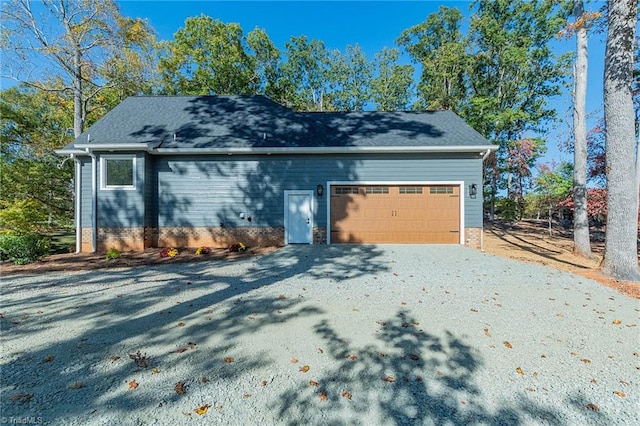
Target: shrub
[23, 249]
[113, 253]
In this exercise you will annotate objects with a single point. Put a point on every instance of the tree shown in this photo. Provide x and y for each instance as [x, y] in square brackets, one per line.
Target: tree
[439, 46]
[621, 241]
[390, 88]
[581, 241]
[36, 195]
[70, 47]
[350, 76]
[209, 57]
[553, 184]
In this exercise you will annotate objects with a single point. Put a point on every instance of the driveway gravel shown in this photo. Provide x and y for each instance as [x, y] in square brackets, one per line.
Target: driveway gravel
[344, 334]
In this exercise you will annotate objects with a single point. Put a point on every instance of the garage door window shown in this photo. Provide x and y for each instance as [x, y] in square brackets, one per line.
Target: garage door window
[377, 190]
[410, 190]
[341, 190]
[441, 190]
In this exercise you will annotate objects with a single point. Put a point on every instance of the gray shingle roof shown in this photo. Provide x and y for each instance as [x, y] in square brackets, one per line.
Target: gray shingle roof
[229, 122]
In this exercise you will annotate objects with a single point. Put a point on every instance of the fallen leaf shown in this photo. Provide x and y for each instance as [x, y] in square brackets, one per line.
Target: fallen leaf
[282, 297]
[439, 373]
[519, 371]
[139, 359]
[419, 379]
[414, 357]
[622, 382]
[382, 323]
[202, 409]
[76, 385]
[560, 315]
[180, 350]
[389, 379]
[181, 324]
[218, 407]
[586, 361]
[474, 310]
[48, 358]
[114, 358]
[313, 383]
[133, 384]
[294, 360]
[263, 383]
[594, 381]
[592, 407]
[229, 359]
[574, 354]
[155, 371]
[352, 357]
[381, 355]
[320, 350]
[346, 394]
[617, 322]
[620, 394]
[304, 368]
[207, 318]
[204, 380]
[25, 397]
[191, 345]
[530, 389]
[486, 331]
[246, 395]
[322, 396]
[179, 388]
[508, 345]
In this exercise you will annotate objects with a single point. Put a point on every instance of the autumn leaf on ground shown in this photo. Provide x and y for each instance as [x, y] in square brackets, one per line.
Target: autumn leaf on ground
[181, 324]
[313, 383]
[322, 396]
[474, 310]
[622, 382]
[25, 397]
[139, 359]
[389, 379]
[346, 394]
[439, 373]
[352, 357]
[617, 322]
[76, 385]
[204, 379]
[419, 379]
[263, 383]
[191, 345]
[179, 388]
[282, 297]
[294, 360]
[486, 331]
[507, 345]
[592, 407]
[133, 384]
[382, 323]
[48, 358]
[202, 409]
[620, 394]
[320, 350]
[414, 357]
[304, 368]
[229, 359]
[180, 350]
[114, 358]
[519, 371]
[586, 361]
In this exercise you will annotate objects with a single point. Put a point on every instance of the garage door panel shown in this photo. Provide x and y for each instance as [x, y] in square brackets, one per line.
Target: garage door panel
[395, 214]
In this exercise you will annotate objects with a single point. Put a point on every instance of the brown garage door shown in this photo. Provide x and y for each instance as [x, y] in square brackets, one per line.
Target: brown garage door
[395, 214]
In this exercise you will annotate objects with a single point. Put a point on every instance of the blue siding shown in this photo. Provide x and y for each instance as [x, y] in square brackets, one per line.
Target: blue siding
[123, 208]
[214, 190]
[85, 201]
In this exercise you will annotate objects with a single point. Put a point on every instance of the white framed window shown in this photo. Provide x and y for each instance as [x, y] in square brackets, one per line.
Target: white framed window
[118, 172]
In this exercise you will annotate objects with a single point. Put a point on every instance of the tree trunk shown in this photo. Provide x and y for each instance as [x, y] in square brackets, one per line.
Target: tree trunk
[621, 249]
[78, 121]
[581, 242]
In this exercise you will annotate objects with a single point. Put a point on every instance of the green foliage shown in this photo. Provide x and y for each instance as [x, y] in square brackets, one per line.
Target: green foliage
[510, 209]
[23, 249]
[112, 253]
[391, 84]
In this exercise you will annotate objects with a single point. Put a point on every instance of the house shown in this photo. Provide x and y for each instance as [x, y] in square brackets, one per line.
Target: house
[189, 171]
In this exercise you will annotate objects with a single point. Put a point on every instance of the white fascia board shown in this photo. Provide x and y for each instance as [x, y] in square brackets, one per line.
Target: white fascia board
[70, 151]
[116, 146]
[480, 149]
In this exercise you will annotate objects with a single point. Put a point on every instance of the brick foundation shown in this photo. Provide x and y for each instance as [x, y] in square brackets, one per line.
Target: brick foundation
[473, 237]
[219, 237]
[319, 235]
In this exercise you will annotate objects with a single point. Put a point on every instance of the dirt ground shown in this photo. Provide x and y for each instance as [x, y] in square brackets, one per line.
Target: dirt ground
[529, 241]
[525, 241]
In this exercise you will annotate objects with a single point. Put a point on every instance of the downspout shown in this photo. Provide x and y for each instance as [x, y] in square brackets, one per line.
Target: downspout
[78, 203]
[94, 201]
[484, 157]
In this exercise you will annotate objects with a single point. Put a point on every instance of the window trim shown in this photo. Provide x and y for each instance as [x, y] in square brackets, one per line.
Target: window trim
[103, 172]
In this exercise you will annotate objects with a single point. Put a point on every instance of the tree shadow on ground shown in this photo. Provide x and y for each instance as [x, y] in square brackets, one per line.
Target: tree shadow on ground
[410, 377]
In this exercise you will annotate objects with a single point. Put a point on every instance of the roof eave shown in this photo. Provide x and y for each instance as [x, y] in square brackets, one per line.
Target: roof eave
[481, 149]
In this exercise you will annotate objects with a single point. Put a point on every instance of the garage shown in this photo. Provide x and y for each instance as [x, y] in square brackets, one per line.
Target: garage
[383, 213]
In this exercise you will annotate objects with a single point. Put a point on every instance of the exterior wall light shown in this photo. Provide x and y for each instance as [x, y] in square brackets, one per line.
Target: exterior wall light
[319, 190]
[473, 190]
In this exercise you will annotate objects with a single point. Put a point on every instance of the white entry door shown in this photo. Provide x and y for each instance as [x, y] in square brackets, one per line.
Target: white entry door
[298, 216]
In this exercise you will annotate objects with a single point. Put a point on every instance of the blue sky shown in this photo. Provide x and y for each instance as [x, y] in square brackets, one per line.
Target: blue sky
[371, 24]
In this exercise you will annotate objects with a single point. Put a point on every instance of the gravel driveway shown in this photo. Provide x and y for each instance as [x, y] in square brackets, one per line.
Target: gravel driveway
[378, 334]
